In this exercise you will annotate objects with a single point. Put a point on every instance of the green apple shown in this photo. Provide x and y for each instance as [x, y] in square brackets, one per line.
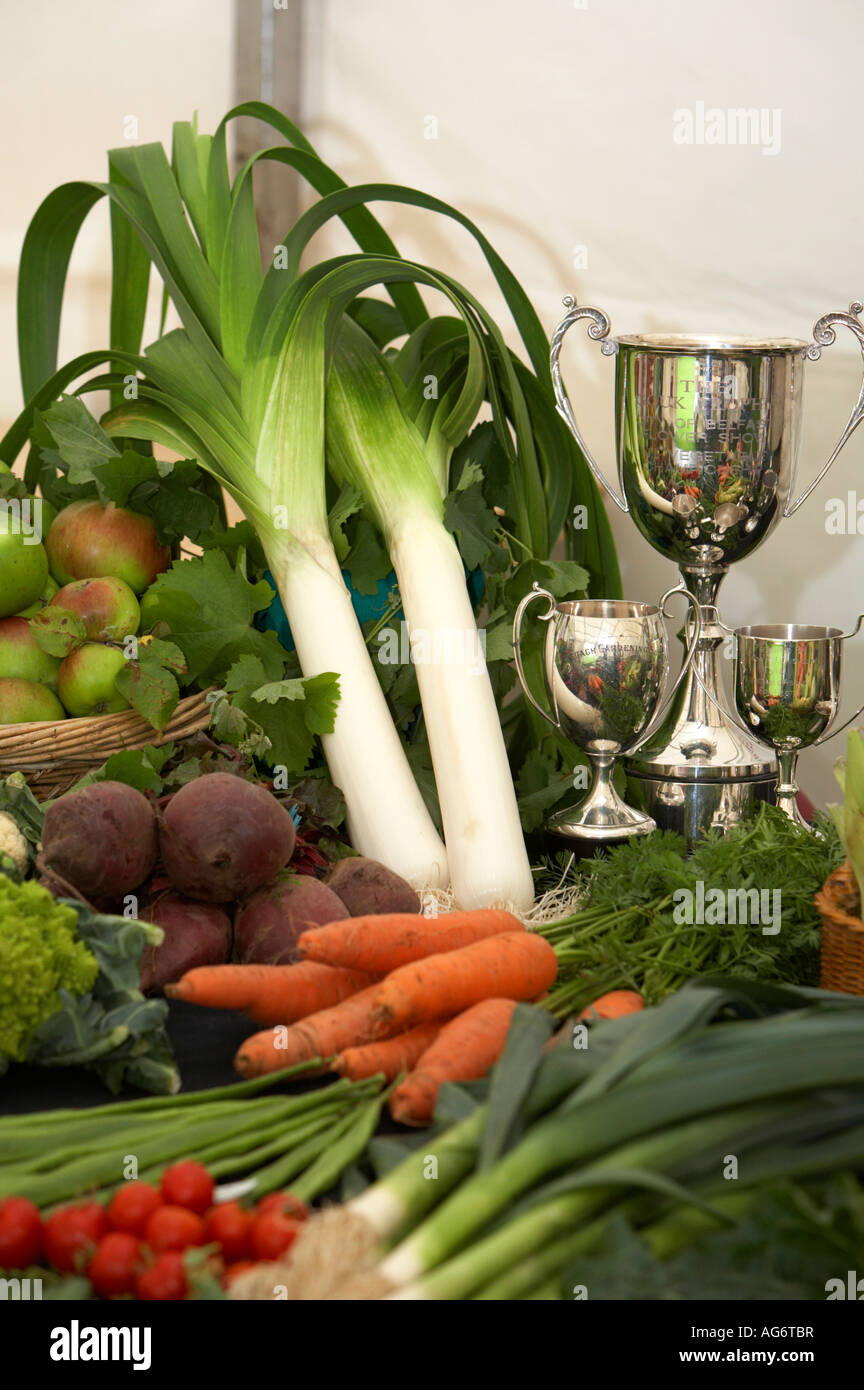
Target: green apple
[25, 702]
[42, 601]
[23, 568]
[107, 607]
[85, 681]
[22, 657]
[89, 541]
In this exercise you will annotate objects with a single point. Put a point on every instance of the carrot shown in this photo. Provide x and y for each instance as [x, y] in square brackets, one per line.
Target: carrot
[614, 1005]
[517, 965]
[319, 1036]
[385, 942]
[269, 993]
[465, 1049]
[397, 1055]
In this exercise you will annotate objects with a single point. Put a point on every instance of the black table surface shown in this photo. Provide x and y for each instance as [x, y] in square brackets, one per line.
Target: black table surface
[204, 1042]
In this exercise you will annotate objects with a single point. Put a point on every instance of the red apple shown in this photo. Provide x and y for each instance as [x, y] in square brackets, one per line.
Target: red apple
[107, 607]
[85, 681]
[21, 656]
[23, 702]
[89, 541]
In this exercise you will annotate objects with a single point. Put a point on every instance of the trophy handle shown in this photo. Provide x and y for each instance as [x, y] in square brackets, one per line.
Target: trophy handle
[859, 710]
[823, 336]
[536, 592]
[598, 328]
[687, 663]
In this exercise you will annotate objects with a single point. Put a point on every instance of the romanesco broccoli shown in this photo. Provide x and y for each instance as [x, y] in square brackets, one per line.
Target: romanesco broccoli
[40, 954]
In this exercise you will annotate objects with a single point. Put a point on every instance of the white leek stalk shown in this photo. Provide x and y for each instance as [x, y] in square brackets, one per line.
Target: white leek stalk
[387, 818]
[373, 445]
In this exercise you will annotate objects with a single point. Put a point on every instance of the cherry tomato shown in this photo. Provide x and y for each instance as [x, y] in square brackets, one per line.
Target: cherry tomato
[20, 1233]
[165, 1279]
[230, 1226]
[188, 1184]
[132, 1205]
[114, 1267]
[72, 1232]
[231, 1273]
[273, 1233]
[285, 1202]
[173, 1228]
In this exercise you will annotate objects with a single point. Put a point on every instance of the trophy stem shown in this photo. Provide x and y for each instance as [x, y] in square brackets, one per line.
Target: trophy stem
[787, 785]
[602, 815]
[700, 770]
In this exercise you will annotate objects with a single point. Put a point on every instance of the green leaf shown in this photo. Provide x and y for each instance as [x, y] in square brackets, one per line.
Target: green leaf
[563, 579]
[473, 523]
[57, 630]
[151, 689]
[247, 671]
[291, 713]
[80, 440]
[347, 504]
[207, 607]
[368, 561]
[511, 1080]
[137, 767]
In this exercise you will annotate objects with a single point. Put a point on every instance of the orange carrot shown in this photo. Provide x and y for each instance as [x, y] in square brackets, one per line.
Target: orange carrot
[465, 1049]
[517, 965]
[614, 1005]
[397, 1055]
[383, 943]
[319, 1036]
[269, 993]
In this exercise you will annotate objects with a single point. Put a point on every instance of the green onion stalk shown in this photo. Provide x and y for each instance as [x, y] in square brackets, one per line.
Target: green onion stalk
[242, 388]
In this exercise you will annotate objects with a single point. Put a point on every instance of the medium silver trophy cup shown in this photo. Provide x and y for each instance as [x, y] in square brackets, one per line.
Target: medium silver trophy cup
[708, 433]
[605, 663]
[787, 690]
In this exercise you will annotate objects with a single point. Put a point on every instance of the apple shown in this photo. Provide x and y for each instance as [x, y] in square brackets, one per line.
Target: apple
[42, 601]
[89, 541]
[107, 607]
[23, 568]
[25, 702]
[85, 681]
[21, 656]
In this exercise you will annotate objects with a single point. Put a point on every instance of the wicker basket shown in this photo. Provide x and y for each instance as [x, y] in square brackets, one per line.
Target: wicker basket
[839, 904]
[53, 754]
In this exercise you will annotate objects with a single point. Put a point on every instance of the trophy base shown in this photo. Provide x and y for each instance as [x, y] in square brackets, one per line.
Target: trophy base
[582, 822]
[691, 808]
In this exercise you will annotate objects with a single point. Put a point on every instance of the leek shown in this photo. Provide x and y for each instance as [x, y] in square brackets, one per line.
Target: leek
[373, 446]
[849, 818]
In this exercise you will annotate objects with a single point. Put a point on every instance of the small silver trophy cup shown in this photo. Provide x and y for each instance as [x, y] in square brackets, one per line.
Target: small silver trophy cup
[605, 663]
[708, 432]
[787, 690]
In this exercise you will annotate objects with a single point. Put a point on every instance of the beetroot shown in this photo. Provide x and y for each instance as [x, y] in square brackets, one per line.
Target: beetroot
[222, 837]
[195, 934]
[268, 924]
[101, 839]
[368, 888]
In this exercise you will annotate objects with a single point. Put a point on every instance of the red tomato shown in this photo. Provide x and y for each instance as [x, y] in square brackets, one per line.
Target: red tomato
[273, 1233]
[230, 1226]
[188, 1184]
[231, 1273]
[173, 1228]
[20, 1233]
[164, 1280]
[113, 1268]
[285, 1202]
[131, 1206]
[71, 1232]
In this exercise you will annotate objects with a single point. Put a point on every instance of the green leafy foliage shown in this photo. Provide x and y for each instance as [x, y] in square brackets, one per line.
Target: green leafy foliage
[149, 682]
[289, 713]
[206, 607]
[57, 630]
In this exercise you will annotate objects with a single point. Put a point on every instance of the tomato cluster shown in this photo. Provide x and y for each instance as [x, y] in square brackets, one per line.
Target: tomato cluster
[137, 1245]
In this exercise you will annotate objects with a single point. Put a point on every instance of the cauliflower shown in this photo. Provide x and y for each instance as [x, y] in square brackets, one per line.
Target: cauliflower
[12, 843]
[40, 954]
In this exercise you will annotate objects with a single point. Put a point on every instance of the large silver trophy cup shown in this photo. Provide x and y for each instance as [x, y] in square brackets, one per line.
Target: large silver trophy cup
[708, 433]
